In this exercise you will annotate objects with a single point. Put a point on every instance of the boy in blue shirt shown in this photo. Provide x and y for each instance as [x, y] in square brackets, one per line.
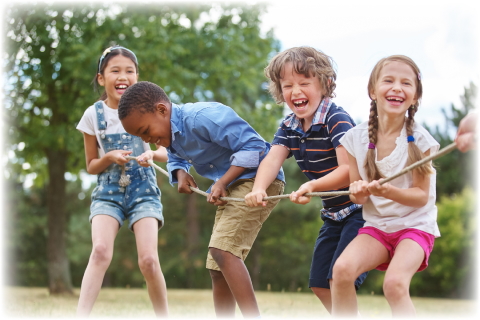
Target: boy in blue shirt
[304, 79]
[222, 147]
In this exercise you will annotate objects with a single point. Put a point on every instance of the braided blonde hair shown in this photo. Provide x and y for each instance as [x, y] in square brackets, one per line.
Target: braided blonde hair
[414, 153]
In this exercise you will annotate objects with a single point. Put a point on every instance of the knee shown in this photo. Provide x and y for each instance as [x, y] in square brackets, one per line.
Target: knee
[342, 273]
[101, 254]
[219, 256]
[395, 288]
[217, 276]
[149, 265]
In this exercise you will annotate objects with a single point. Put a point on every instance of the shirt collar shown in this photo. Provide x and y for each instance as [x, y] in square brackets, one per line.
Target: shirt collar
[292, 121]
[176, 120]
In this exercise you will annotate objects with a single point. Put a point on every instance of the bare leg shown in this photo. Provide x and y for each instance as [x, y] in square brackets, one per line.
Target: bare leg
[104, 231]
[407, 259]
[238, 279]
[223, 298]
[364, 253]
[325, 297]
[146, 235]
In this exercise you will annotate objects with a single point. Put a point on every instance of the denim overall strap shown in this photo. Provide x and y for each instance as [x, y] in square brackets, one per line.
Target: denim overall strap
[102, 124]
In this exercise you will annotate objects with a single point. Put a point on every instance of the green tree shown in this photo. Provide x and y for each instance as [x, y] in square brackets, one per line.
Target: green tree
[51, 53]
[455, 170]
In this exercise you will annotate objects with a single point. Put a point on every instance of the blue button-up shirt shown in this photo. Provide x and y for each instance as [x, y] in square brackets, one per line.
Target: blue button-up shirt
[211, 137]
[315, 152]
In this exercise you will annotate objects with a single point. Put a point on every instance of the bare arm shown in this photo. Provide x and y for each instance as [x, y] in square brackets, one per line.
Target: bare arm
[159, 155]
[336, 179]
[416, 196]
[97, 165]
[266, 174]
[358, 188]
[467, 131]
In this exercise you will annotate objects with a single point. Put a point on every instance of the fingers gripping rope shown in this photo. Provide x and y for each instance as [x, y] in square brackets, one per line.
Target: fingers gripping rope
[415, 165]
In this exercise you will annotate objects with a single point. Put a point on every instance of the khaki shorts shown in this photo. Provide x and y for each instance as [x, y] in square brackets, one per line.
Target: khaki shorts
[236, 224]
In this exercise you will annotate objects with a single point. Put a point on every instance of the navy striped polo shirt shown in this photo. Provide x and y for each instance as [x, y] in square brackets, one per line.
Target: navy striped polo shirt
[315, 153]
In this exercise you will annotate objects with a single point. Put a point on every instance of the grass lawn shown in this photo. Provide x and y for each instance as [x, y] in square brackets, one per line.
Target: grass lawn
[134, 303]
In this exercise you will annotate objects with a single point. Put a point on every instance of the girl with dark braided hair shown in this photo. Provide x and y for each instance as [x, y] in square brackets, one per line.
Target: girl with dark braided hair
[400, 216]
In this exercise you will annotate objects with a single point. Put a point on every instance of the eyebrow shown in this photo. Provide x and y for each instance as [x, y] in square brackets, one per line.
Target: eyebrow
[115, 66]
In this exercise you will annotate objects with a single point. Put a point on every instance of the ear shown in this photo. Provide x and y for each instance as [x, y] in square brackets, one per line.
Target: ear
[372, 95]
[162, 108]
[100, 79]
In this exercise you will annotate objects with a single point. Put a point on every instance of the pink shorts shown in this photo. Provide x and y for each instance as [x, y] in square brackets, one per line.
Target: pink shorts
[391, 240]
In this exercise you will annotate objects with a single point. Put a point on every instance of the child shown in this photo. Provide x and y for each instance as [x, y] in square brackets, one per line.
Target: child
[304, 79]
[221, 146]
[125, 190]
[400, 216]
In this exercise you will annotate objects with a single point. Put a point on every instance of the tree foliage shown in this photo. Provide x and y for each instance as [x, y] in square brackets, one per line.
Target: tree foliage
[456, 170]
[51, 57]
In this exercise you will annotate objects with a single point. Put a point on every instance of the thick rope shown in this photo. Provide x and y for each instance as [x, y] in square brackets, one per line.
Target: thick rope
[411, 167]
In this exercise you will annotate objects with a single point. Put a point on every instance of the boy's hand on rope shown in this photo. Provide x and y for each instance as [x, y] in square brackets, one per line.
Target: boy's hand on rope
[298, 196]
[377, 189]
[254, 198]
[118, 156]
[144, 157]
[359, 189]
[218, 190]
[185, 180]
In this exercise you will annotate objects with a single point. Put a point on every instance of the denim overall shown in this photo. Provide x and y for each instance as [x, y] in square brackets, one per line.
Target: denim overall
[141, 197]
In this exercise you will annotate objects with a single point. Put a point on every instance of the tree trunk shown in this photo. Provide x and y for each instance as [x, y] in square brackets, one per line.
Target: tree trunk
[60, 281]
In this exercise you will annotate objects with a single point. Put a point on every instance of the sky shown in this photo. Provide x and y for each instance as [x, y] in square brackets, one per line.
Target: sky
[442, 37]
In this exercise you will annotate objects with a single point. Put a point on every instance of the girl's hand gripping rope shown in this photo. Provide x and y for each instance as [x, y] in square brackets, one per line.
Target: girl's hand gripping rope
[119, 157]
[144, 158]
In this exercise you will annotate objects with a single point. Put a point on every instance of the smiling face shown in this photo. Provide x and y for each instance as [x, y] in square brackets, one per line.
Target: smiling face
[302, 95]
[152, 127]
[118, 75]
[395, 89]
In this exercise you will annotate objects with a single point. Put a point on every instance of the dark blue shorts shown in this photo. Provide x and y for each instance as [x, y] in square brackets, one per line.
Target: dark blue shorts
[333, 238]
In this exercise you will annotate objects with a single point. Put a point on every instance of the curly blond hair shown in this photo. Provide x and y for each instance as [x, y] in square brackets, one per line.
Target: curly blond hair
[307, 61]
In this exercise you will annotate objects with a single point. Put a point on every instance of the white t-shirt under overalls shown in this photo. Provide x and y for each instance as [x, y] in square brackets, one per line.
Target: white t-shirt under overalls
[88, 124]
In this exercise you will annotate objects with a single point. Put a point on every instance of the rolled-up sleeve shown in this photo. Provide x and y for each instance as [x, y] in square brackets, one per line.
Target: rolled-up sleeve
[245, 159]
[176, 163]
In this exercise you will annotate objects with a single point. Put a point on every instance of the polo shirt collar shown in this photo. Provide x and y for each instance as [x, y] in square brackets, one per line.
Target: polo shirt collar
[320, 116]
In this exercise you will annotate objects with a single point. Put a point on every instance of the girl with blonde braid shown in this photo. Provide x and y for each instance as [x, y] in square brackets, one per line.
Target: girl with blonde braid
[400, 216]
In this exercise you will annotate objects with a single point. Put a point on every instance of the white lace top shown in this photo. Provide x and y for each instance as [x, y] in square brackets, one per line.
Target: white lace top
[385, 214]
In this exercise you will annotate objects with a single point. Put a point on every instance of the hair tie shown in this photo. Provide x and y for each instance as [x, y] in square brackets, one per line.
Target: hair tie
[108, 50]
[410, 139]
[371, 146]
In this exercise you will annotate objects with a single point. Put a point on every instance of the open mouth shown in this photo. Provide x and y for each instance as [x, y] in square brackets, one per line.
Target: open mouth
[121, 87]
[395, 99]
[302, 103]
